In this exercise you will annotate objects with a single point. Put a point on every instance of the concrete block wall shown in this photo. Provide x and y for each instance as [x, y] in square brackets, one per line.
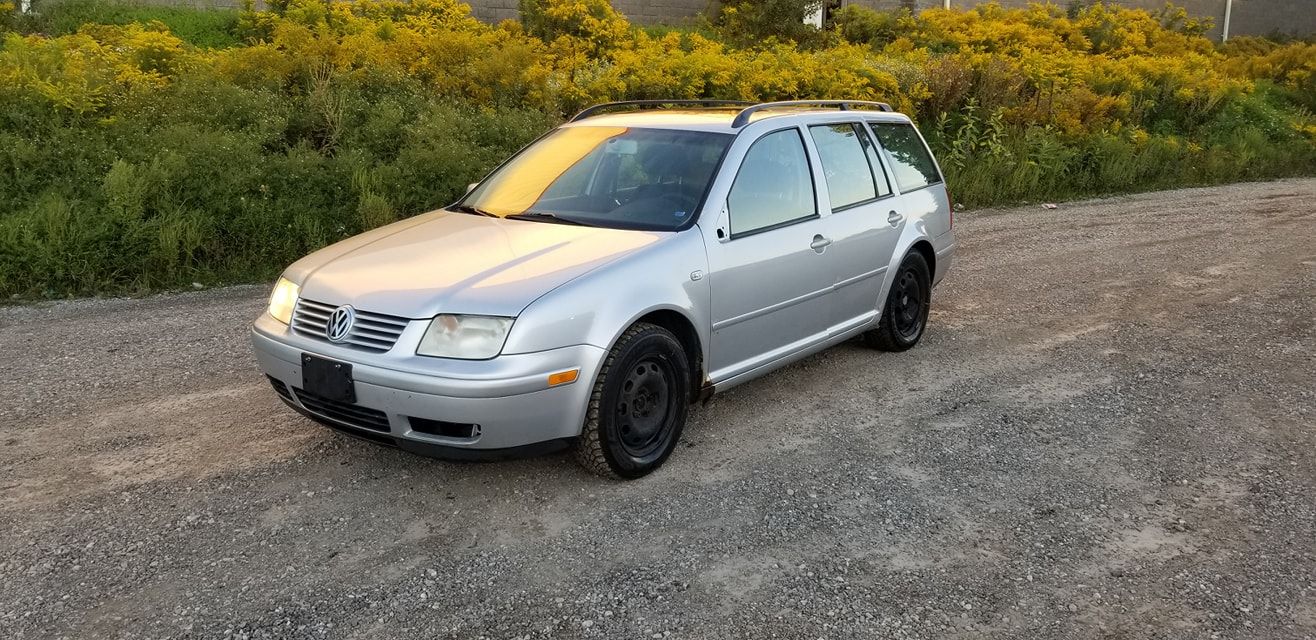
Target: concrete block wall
[639, 11]
[198, 4]
[495, 11]
[1250, 17]
[1263, 17]
[663, 11]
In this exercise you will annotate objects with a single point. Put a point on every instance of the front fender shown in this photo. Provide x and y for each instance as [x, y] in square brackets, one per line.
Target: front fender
[595, 308]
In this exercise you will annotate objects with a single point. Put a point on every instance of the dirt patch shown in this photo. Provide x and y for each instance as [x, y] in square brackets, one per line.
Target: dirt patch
[1108, 432]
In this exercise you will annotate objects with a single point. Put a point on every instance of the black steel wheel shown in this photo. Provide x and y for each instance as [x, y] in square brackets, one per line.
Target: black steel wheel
[644, 405]
[639, 405]
[907, 305]
[905, 314]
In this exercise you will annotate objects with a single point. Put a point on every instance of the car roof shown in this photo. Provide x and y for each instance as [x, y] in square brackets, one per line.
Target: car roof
[719, 120]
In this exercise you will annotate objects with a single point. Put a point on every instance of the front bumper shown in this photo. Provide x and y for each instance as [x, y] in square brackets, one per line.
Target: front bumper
[505, 404]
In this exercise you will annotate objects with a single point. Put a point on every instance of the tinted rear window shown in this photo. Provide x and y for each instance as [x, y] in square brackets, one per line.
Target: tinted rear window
[910, 160]
[849, 178]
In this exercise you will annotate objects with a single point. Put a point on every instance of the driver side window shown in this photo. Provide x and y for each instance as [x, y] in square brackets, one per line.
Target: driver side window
[774, 186]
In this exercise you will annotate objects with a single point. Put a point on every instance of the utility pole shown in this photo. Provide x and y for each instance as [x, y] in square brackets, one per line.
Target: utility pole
[1224, 31]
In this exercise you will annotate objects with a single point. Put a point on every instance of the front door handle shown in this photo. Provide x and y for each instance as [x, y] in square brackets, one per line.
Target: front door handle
[819, 243]
[894, 218]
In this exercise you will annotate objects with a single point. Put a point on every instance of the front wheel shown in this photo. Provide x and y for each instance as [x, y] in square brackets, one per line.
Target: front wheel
[905, 314]
[638, 407]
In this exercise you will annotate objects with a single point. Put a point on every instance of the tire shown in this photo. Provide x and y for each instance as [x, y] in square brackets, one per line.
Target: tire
[638, 407]
[905, 314]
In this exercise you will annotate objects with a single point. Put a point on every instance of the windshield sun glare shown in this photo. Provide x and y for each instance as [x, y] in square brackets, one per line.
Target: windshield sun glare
[629, 178]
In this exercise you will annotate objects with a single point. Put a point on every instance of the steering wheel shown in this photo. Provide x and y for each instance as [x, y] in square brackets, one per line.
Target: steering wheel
[652, 209]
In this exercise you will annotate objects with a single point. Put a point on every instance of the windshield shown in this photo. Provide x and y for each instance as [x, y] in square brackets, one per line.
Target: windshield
[618, 177]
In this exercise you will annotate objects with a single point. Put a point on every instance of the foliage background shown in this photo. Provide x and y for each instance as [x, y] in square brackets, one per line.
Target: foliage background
[145, 148]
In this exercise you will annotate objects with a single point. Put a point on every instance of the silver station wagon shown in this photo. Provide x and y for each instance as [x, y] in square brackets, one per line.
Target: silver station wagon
[623, 266]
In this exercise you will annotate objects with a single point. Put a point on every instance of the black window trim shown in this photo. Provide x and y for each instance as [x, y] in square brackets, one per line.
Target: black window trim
[941, 179]
[861, 203]
[881, 161]
[813, 186]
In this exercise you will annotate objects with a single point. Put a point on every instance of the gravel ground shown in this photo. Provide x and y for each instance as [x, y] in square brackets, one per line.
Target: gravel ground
[1108, 432]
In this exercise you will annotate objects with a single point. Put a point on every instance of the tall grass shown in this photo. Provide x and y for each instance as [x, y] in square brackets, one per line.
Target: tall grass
[158, 200]
[146, 148]
[989, 162]
[213, 27]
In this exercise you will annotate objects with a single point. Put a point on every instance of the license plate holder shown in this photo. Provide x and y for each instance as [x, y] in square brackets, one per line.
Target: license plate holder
[329, 379]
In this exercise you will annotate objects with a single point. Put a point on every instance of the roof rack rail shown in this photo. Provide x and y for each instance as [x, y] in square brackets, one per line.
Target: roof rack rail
[641, 104]
[742, 118]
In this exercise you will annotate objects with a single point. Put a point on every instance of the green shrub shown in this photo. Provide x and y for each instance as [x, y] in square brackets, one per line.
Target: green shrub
[591, 21]
[146, 148]
[857, 23]
[213, 28]
[749, 22]
[209, 182]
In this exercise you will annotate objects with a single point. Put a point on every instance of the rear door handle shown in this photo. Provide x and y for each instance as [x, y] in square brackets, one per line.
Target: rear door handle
[894, 218]
[819, 243]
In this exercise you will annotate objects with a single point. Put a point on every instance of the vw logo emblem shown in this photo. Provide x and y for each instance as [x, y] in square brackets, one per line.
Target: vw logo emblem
[340, 323]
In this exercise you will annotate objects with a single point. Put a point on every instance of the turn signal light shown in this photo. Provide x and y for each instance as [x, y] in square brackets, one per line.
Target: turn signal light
[563, 377]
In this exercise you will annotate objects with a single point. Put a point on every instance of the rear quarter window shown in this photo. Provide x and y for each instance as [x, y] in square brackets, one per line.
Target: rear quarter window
[911, 162]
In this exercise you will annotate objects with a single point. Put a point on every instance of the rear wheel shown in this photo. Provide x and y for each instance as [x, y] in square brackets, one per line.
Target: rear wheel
[905, 315]
[639, 405]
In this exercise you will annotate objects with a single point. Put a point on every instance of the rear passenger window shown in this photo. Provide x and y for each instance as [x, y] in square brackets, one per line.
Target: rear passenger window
[870, 150]
[910, 161]
[845, 165]
[774, 185]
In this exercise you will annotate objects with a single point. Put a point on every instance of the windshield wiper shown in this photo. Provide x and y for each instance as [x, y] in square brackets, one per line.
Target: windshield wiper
[544, 216]
[466, 208]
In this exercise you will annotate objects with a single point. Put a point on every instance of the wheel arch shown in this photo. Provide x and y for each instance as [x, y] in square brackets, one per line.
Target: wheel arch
[914, 239]
[924, 248]
[680, 325]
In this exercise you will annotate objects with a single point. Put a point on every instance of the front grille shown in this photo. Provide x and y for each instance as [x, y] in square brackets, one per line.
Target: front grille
[378, 438]
[349, 414]
[370, 332]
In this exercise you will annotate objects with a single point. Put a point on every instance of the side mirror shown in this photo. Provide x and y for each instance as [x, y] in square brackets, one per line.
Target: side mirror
[471, 187]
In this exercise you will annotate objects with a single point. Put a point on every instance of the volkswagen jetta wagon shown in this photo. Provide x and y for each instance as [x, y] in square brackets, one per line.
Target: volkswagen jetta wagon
[623, 266]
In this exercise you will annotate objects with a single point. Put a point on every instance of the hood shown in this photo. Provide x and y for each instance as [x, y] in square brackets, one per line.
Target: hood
[444, 262]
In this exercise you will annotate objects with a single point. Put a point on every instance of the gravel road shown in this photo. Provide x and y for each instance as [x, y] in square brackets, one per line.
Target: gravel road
[1110, 431]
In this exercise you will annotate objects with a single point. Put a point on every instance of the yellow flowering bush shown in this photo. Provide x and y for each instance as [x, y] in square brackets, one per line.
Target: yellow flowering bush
[133, 159]
[585, 25]
[84, 72]
[1291, 66]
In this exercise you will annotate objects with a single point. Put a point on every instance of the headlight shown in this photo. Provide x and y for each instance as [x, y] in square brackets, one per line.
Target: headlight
[283, 299]
[465, 337]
